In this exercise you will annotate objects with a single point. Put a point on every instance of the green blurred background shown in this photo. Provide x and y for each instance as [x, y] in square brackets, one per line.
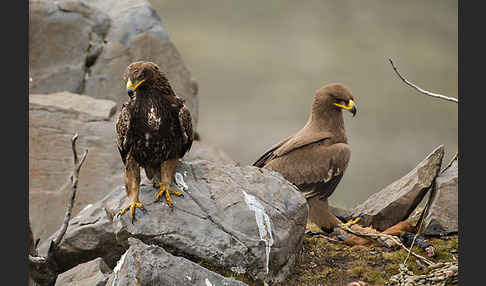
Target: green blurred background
[258, 64]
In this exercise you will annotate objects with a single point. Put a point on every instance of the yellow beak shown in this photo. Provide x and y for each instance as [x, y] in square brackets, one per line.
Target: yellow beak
[351, 107]
[132, 87]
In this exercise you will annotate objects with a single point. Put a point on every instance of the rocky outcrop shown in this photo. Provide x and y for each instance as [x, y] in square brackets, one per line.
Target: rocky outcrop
[92, 273]
[53, 120]
[144, 264]
[396, 201]
[84, 46]
[442, 214]
[241, 219]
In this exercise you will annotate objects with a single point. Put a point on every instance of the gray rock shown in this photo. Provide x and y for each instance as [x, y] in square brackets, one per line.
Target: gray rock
[341, 213]
[62, 35]
[214, 222]
[90, 234]
[53, 120]
[396, 201]
[92, 273]
[202, 151]
[144, 264]
[442, 215]
[84, 46]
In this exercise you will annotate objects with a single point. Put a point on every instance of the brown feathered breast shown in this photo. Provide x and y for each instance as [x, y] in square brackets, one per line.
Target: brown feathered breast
[315, 158]
[154, 124]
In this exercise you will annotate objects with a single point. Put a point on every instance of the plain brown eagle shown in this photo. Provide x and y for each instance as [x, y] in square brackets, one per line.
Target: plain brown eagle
[316, 157]
[154, 130]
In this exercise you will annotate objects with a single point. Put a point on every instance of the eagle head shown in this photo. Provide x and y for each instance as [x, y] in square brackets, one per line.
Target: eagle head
[336, 96]
[139, 75]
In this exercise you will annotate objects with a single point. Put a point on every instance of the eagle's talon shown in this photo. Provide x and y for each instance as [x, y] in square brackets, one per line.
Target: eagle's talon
[351, 222]
[167, 190]
[131, 206]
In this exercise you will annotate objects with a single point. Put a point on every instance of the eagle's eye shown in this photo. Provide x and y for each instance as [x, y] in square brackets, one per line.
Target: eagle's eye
[340, 101]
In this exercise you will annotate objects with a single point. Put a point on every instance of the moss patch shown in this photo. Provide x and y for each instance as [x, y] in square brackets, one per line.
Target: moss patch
[324, 262]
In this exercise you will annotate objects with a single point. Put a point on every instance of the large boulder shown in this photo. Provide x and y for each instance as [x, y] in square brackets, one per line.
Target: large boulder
[84, 46]
[92, 273]
[244, 220]
[441, 217]
[53, 120]
[144, 264]
[396, 201]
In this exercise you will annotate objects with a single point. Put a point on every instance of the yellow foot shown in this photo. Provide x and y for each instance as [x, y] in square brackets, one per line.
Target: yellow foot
[165, 188]
[351, 222]
[131, 206]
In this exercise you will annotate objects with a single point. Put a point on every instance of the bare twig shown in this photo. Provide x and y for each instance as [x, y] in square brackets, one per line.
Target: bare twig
[410, 249]
[381, 238]
[436, 95]
[415, 236]
[44, 269]
[328, 238]
[74, 184]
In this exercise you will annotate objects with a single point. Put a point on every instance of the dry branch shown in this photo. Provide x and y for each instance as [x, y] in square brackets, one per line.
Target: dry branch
[436, 95]
[328, 238]
[44, 270]
[382, 238]
[415, 236]
[74, 185]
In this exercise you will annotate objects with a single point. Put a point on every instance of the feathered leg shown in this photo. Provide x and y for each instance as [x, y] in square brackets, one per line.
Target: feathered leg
[167, 173]
[319, 215]
[132, 185]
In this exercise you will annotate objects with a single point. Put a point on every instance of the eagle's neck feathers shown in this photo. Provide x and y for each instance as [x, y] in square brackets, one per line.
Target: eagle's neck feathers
[324, 117]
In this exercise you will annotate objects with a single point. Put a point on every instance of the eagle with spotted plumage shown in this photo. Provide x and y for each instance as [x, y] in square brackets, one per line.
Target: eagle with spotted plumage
[154, 130]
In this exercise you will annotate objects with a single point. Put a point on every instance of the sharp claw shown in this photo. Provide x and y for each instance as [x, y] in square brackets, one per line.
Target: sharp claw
[167, 190]
[132, 207]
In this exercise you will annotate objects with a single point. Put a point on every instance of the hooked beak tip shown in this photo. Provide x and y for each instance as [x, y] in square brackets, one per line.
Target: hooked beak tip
[130, 92]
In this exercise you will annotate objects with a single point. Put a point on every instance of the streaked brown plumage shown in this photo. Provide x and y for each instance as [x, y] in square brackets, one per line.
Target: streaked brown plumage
[154, 130]
[315, 158]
